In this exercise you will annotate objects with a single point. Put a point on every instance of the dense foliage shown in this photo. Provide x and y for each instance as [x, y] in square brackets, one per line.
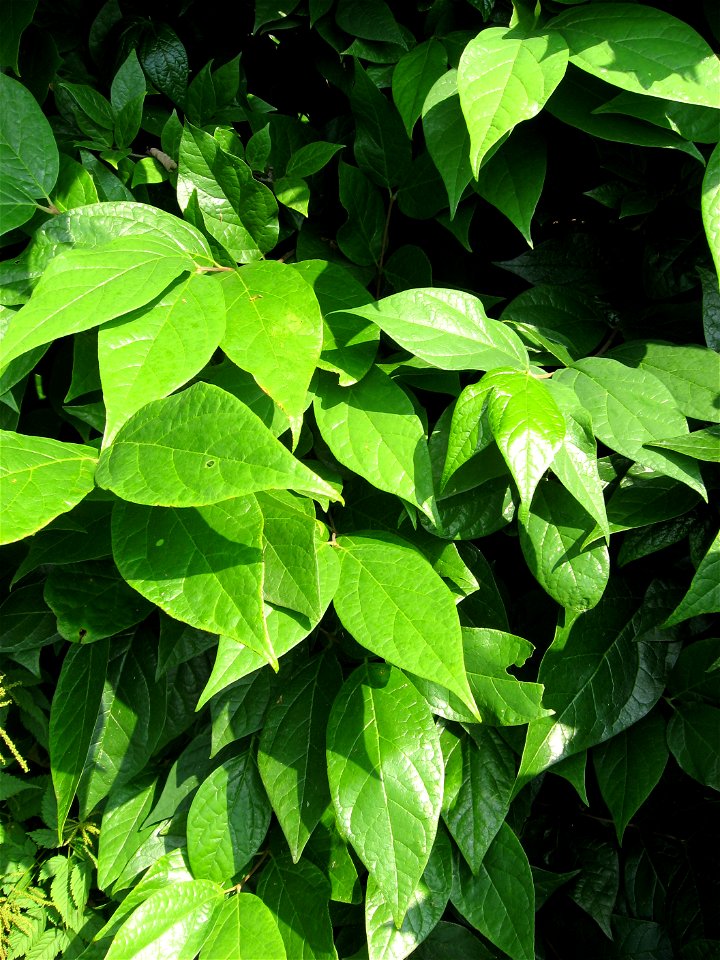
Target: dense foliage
[359, 397]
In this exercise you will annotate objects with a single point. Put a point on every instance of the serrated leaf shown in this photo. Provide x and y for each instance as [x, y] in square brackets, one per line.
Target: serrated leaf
[630, 408]
[710, 205]
[149, 354]
[394, 604]
[242, 929]
[645, 51]
[40, 478]
[173, 922]
[228, 819]
[704, 593]
[272, 312]
[72, 719]
[504, 79]
[499, 900]
[479, 781]
[199, 447]
[692, 738]
[413, 76]
[29, 154]
[527, 425]
[202, 566]
[386, 778]
[80, 883]
[291, 752]
[427, 905]
[372, 428]
[600, 677]
[48, 945]
[446, 328]
[629, 766]
[297, 896]
[552, 538]
[447, 137]
[82, 288]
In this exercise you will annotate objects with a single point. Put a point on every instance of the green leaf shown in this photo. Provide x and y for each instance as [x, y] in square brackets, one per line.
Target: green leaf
[240, 708]
[710, 205]
[149, 354]
[629, 766]
[297, 896]
[294, 193]
[17, 15]
[83, 288]
[72, 719]
[427, 905]
[479, 781]
[700, 444]
[129, 722]
[692, 738]
[381, 146]
[92, 601]
[74, 186]
[562, 312]
[394, 604]
[413, 76]
[600, 677]
[202, 566]
[291, 753]
[527, 425]
[372, 428]
[273, 313]
[499, 900]
[28, 153]
[290, 537]
[124, 830]
[504, 79]
[369, 19]
[238, 211]
[199, 447]
[596, 888]
[643, 497]
[39, 480]
[228, 820]
[361, 237]
[512, 180]
[127, 94]
[243, 929]
[642, 50]
[172, 922]
[690, 372]
[311, 158]
[328, 851]
[695, 672]
[552, 539]
[386, 778]
[704, 593]
[447, 137]
[446, 328]
[450, 941]
[630, 408]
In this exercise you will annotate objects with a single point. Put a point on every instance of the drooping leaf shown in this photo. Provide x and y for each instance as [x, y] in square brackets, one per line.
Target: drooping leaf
[372, 428]
[227, 820]
[499, 900]
[40, 479]
[447, 137]
[596, 888]
[394, 604]
[703, 595]
[72, 719]
[700, 444]
[199, 447]
[291, 752]
[381, 147]
[243, 929]
[413, 76]
[360, 237]
[202, 566]
[149, 354]
[272, 312]
[504, 79]
[386, 778]
[643, 50]
[124, 829]
[692, 738]
[328, 850]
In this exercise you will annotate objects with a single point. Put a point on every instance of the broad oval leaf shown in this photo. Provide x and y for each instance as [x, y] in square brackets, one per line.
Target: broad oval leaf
[386, 778]
[243, 929]
[40, 479]
[199, 447]
[202, 566]
[394, 604]
[173, 922]
[228, 820]
[272, 315]
[503, 79]
[643, 50]
[147, 355]
[499, 900]
[446, 328]
[372, 428]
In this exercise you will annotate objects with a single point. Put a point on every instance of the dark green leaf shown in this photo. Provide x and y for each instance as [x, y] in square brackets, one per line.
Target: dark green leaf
[692, 738]
[413, 77]
[704, 593]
